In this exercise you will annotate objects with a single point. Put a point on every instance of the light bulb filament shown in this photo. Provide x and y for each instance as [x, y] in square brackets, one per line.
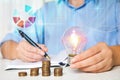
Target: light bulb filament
[74, 40]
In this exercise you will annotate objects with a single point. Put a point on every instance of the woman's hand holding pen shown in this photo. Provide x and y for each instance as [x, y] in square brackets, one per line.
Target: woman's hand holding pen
[29, 53]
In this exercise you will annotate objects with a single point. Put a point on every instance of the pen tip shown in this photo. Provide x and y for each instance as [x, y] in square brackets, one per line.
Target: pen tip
[47, 57]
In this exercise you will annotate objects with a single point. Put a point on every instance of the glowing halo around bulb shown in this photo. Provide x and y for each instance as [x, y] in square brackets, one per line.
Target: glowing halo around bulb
[74, 40]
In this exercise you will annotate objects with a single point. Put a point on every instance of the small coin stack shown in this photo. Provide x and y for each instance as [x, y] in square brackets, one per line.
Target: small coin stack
[70, 56]
[22, 74]
[34, 71]
[46, 68]
[58, 71]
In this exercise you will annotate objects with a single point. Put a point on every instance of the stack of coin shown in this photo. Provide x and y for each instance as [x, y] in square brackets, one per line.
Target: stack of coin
[70, 56]
[46, 68]
[58, 71]
[22, 74]
[34, 71]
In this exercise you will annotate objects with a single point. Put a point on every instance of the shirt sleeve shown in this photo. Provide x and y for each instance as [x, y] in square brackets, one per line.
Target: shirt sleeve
[11, 36]
[31, 31]
[118, 20]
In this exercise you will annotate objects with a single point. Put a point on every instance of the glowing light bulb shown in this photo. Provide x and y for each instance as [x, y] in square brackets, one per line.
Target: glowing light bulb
[74, 40]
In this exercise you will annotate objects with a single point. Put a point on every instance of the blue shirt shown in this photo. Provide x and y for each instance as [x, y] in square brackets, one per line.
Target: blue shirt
[100, 21]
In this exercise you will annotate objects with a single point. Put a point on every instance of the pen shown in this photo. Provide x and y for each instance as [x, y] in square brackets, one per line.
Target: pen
[32, 42]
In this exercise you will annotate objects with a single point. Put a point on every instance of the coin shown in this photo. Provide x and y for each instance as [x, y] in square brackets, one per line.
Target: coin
[46, 62]
[58, 71]
[22, 74]
[46, 68]
[34, 71]
[45, 73]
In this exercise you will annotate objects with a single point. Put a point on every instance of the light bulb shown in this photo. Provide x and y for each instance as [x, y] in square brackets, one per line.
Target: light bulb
[74, 40]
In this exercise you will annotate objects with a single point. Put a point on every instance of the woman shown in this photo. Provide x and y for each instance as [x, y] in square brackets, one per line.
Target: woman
[99, 18]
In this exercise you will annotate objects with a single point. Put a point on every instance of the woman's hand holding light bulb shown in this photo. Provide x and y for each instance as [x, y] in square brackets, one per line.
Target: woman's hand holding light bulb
[96, 59]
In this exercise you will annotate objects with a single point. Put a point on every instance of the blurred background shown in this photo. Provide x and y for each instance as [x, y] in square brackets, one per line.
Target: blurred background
[7, 11]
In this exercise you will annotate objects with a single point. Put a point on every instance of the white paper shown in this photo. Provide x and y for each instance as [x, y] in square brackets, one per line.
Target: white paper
[18, 64]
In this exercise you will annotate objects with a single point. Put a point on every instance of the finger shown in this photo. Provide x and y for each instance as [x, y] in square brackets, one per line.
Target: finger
[25, 59]
[44, 48]
[25, 50]
[29, 52]
[28, 46]
[31, 48]
[39, 51]
[32, 55]
[88, 62]
[96, 67]
[88, 53]
[108, 67]
[36, 51]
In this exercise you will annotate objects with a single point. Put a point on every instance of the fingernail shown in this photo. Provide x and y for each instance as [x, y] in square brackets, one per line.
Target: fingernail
[72, 66]
[73, 60]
